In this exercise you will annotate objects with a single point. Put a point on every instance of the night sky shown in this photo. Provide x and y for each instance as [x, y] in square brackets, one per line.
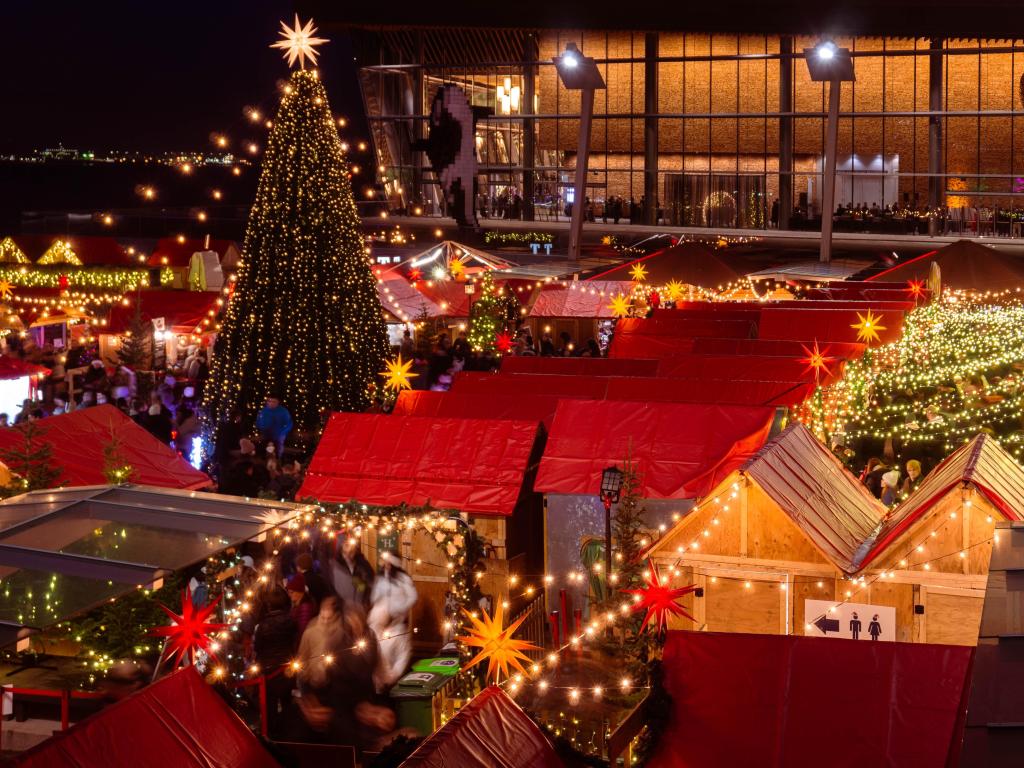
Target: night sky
[146, 75]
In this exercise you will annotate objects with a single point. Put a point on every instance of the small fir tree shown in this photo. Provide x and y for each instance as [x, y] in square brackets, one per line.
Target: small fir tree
[305, 320]
[496, 310]
[30, 461]
[117, 470]
[135, 350]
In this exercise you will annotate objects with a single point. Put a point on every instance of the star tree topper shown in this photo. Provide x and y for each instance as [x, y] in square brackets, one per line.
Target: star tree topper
[496, 645]
[659, 600]
[298, 42]
[188, 632]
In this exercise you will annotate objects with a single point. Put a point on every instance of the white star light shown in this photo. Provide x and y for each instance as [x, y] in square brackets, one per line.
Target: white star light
[298, 42]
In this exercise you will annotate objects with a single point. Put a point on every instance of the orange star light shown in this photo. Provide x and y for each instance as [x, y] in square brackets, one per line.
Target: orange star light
[6, 289]
[868, 327]
[915, 288]
[496, 644]
[189, 632]
[619, 306]
[817, 360]
[659, 600]
[399, 374]
[415, 274]
[675, 290]
[638, 272]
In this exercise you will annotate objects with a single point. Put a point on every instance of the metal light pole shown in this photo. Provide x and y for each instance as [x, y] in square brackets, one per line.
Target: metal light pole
[579, 73]
[829, 63]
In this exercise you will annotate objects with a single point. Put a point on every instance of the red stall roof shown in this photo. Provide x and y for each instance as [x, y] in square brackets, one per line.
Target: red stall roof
[91, 250]
[682, 450]
[183, 311]
[690, 263]
[773, 347]
[491, 731]
[827, 325]
[16, 368]
[834, 509]
[746, 367]
[963, 264]
[177, 721]
[179, 252]
[579, 366]
[579, 299]
[77, 440]
[472, 465]
[449, 296]
[457, 405]
[403, 301]
[809, 701]
[981, 463]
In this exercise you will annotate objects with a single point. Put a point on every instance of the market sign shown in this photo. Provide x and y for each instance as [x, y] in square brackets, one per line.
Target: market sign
[851, 621]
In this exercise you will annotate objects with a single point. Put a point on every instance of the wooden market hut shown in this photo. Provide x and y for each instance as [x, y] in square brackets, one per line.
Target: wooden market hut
[793, 524]
[480, 468]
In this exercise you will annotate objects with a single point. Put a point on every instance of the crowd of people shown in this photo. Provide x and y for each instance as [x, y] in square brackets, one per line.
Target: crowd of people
[330, 634]
[885, 482]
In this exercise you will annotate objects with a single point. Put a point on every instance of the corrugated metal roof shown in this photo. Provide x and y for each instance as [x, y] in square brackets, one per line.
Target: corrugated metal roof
[834, 510]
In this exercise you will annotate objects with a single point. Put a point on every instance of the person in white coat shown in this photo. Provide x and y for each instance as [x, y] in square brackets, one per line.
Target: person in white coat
[392, 598]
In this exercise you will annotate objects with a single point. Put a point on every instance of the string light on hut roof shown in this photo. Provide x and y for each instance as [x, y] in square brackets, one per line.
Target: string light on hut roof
[299, 42]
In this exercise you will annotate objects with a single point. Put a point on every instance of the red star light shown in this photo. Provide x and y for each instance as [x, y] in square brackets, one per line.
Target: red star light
[415, 274]
[189, 632]
[503, 341]
[915, 288]
[659, 600]
[817, 360]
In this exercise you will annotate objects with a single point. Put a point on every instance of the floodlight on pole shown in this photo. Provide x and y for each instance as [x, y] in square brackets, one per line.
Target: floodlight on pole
[829, 63]
[579, 73]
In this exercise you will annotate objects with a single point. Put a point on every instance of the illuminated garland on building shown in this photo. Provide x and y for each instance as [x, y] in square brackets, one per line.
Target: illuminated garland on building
[304, 320]
[121, 279]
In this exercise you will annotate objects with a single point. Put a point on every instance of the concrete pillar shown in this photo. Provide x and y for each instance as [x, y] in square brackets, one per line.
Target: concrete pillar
[651, 127]
[936, 185]
[418, 127]
[529, 159]
[785, 133]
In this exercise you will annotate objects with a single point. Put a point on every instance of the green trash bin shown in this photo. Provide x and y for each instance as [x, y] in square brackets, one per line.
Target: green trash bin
[443, 665]
[417, 699]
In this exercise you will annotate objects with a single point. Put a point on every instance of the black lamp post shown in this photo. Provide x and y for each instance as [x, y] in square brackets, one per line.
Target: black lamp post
[611, 485]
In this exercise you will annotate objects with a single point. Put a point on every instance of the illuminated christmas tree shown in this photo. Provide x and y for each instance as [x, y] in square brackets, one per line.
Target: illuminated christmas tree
[493, 314]
[304, 321]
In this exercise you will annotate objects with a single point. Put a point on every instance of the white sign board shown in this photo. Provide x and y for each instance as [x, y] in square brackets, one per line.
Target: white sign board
[852, 621]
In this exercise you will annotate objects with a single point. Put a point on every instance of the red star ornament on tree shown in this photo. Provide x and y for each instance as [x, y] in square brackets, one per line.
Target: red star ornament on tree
[189, 632]
[503, 341]
[915, 288]
[62, 282]
[659, 600]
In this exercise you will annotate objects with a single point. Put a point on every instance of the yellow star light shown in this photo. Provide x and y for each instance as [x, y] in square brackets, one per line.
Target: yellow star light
[675, 290]
[456, 267]
[6, 289]
[638, 272]
[298, 42]
[398, 375]
[619, 306]
[496, 645]
[868, 327]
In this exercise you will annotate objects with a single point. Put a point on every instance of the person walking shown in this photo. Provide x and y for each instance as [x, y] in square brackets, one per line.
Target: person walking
[393, 596]
[273, 644]
[352, 575]
[274, 422]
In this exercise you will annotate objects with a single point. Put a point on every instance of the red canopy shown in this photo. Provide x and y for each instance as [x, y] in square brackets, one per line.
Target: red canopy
[77, 440]
[778, 701]
[579, 299]
[15, 368]
[177, 721]
[773, 347]
[745, 367]
[456, 405]
[690, 263]
[828, 325]
[491, 731]
[182, 311]
[682, 450]
[472, 465]
[579, 366]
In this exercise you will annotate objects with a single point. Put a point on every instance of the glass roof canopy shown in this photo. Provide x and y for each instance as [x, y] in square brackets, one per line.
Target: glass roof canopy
[65, 550]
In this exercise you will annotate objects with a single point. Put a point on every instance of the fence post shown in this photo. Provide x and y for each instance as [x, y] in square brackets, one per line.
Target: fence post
[263, 706]
[65, 709]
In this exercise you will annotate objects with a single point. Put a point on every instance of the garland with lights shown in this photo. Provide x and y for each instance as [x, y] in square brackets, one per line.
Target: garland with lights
[62, 275]
[957, 370]
[501, 237]
[304, 320]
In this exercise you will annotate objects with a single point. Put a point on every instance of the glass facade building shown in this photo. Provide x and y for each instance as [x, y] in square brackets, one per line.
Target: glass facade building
[720, 130]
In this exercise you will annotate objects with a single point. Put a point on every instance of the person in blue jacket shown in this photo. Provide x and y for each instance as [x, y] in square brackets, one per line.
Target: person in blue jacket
[274, 423]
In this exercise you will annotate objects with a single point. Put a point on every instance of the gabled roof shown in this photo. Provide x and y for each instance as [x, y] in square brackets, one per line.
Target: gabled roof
[178, 720]
[581, 298]
[981, 463]
[690, 263]
[963, 264]
[471, 465]
[447, 251]
[491, 731]
[404, 302]
[77, 440]
[178, 253]
[833, 509]
[90, 250]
